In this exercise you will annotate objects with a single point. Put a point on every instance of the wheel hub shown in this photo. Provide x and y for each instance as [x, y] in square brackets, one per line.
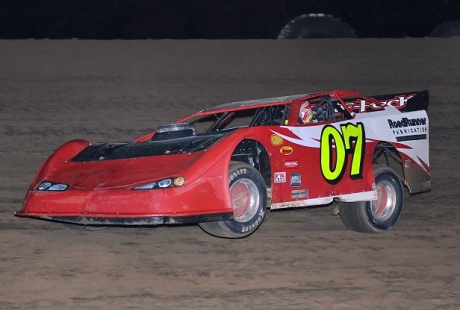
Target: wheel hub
[245, 199]
[384, 206]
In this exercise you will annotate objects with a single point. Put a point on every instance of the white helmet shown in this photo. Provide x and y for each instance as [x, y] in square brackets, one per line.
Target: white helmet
[306, 113]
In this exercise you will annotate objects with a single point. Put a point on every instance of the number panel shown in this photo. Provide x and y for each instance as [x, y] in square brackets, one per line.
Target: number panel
[337, 146]
[332, 159]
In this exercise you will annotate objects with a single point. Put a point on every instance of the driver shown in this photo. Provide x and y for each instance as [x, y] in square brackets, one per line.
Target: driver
[306, 113]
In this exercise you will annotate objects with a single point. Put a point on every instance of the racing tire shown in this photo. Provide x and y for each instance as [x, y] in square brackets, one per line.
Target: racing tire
[248, 194]
[309, 26]
[377, 216]
[446, 30]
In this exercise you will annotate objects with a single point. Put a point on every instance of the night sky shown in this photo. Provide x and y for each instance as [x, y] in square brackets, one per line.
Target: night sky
[212, 19]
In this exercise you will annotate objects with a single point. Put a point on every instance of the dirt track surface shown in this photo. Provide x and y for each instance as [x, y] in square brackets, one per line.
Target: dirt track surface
[55, 91]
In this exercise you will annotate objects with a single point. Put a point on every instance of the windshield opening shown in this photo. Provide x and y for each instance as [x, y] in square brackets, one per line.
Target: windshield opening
[264, 116]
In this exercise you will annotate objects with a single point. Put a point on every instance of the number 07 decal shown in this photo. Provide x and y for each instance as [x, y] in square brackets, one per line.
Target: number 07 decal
[351, 141]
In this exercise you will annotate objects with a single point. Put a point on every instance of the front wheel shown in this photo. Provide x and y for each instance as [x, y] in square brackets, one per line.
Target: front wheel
[248, 194]
[379, 215]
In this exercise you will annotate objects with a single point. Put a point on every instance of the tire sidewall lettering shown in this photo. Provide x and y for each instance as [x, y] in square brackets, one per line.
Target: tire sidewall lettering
[255, 224]
[237, 173]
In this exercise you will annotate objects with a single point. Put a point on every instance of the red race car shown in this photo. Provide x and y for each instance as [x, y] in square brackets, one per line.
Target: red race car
[223, 167]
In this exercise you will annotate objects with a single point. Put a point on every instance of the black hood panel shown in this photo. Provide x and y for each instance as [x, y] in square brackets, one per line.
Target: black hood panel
[112, 151]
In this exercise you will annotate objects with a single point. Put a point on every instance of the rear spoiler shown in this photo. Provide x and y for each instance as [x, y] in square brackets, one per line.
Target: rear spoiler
[406, 102]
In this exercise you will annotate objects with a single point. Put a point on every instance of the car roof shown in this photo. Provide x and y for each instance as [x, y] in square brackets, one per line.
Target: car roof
[252, 103]
[255, 103]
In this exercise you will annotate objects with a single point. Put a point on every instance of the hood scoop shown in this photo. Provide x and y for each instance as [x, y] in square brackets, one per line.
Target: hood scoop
[173, 131]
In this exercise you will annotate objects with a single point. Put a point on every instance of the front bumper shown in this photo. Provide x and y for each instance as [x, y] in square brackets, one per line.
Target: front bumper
[112, 207]
[131, 221]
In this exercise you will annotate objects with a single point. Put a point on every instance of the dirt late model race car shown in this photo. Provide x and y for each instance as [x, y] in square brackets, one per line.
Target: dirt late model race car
[223, 167]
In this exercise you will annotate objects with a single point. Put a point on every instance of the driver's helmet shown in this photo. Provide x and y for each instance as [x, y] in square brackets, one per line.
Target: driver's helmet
[306, 113]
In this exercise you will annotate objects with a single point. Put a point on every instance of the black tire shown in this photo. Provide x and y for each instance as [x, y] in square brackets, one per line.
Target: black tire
[309, 26]
[380, 215]
[446, 30]
[249, 210]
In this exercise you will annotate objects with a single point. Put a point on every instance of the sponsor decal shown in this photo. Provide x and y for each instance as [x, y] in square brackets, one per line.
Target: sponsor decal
[276, 140]
[406, 129]
[407, 122]
[296, 179]
[299, 193]
[361, 105]
[286, 150]
[280, 177]
[336, 147]
[291, 164]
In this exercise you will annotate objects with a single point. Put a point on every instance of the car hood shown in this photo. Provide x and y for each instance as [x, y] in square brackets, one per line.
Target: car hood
[104, 165]
[113, 151]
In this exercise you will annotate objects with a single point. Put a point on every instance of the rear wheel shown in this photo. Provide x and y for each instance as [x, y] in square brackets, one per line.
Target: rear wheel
[446, 30]
[249, 201]
[379, 215]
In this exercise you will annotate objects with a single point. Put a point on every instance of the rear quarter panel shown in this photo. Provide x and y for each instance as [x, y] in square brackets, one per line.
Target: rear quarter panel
[329, 160]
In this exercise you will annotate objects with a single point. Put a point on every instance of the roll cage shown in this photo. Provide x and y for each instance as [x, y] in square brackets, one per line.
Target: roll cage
[274, 115]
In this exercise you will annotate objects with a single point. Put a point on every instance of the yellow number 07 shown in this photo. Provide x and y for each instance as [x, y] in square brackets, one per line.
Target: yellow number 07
[350, 141]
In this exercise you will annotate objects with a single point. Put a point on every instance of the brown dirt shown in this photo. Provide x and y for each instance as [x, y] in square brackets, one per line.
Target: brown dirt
[55, 91]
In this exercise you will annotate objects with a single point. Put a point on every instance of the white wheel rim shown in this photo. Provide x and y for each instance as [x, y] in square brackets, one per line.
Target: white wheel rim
[385, 205]
[245, 200]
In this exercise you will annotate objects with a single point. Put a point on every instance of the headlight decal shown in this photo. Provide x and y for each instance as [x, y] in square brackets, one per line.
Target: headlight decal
[146, 186]
[165, 183]
[52, 187]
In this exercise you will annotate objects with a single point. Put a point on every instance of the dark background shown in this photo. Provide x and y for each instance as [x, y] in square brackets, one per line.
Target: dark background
[208, 19]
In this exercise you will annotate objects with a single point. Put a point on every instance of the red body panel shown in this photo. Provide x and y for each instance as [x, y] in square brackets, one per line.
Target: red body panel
[106, 188]
[305, 160]
[122, 172]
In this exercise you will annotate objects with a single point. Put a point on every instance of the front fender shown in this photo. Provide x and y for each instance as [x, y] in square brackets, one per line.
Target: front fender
[214, 164]
[64, 153]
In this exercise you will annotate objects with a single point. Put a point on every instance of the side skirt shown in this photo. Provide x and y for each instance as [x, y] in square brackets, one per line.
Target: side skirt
[363, 196]
[138, 221]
